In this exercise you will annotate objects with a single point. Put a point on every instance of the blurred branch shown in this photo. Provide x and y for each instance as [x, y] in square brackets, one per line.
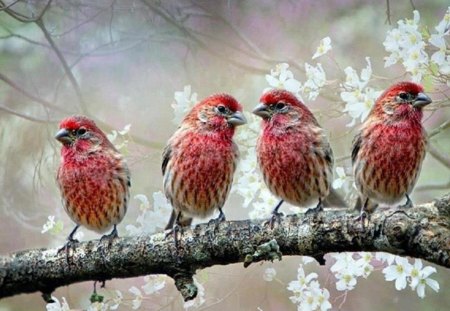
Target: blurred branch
[40, 23]
[422, 232]
[24, 116]
[442, 158]
[22, 91]
[21, 17]
[388, 12]
[63, 62]
[7, 6]
[439, 129]
[433, 187]
[191, 36]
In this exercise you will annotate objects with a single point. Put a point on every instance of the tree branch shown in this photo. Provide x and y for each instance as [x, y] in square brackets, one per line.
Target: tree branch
[422, 232]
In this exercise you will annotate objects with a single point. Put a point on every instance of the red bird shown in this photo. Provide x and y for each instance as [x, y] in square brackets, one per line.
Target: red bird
[200, 159]
[293, 153]
[388, 152]
[93, 177]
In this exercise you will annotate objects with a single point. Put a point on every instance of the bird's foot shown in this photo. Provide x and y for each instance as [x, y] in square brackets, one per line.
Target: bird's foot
[174, 232]
[110, 237]
[70, 244]
[408, 203]
[276, 217]
[314, 211]
[218, 220]
[363, 216]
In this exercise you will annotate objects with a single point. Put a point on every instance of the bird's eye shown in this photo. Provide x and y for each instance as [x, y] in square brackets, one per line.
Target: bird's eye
[280, 106]
[81, 131]
[222, 109]
[403, 96]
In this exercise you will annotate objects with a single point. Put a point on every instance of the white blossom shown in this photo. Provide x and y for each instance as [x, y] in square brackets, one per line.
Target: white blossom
[282, 78]
[341, 178]
[405, 44]
[441, 56]
[137, 301]
[123, 142]
[98, 306]
[149, 220]
[365, 263]
[358, 97]
[184, 101]
[323, 299]
[306, 260]
[302, 280]
[316, 79]
[346, 281]
[153, 284]
[49, 224]
[398, 272]
[323, 48]
[385, 257]
[269, 274]
[58, 306]
[116, 301]
[420, 278]
[346, 269]
[308, 294]
[308, 301]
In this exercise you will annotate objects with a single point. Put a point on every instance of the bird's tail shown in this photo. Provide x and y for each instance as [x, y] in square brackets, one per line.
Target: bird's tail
[334, 200]
[182, 221]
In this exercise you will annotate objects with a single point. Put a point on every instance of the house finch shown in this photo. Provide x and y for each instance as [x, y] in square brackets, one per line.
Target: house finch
[293, 153]
[388, 151]
[93, 177]
[200, 159]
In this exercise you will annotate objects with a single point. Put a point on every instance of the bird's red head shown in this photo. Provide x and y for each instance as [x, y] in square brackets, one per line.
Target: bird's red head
[216, 113]
[80, 132]
[282, 107]
[401, 101]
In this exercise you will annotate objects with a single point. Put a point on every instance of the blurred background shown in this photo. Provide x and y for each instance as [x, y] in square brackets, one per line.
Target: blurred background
[120, 62]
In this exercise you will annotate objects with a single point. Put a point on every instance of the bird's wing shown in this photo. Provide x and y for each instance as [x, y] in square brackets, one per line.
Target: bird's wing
[166, 155]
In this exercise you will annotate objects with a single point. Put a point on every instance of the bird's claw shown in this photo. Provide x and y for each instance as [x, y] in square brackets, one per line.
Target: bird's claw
[110, 237]
[218, 220]
[314, 211]
[408, 204]
[363, 216]
[276, 217]
[174, 232]
[70, 244]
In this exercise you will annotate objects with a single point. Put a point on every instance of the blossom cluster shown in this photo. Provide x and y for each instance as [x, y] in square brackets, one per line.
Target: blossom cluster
[347, 269]
[408, 44]
[115, 299]
[358, 97]
[283, 78]
[150, 219]
[308, 294]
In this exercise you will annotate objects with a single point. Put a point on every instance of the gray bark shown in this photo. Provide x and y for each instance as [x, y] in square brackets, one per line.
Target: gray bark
[422, 232]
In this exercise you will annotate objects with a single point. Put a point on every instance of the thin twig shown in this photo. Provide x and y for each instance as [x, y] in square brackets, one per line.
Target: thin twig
[388, 12]
[25, 116]
[22, 91]
[66, 67]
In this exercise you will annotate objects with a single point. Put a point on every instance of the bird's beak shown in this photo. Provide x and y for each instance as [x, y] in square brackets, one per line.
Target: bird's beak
[261, 110]
[64, 136]
[237, 118]
[421, 100]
